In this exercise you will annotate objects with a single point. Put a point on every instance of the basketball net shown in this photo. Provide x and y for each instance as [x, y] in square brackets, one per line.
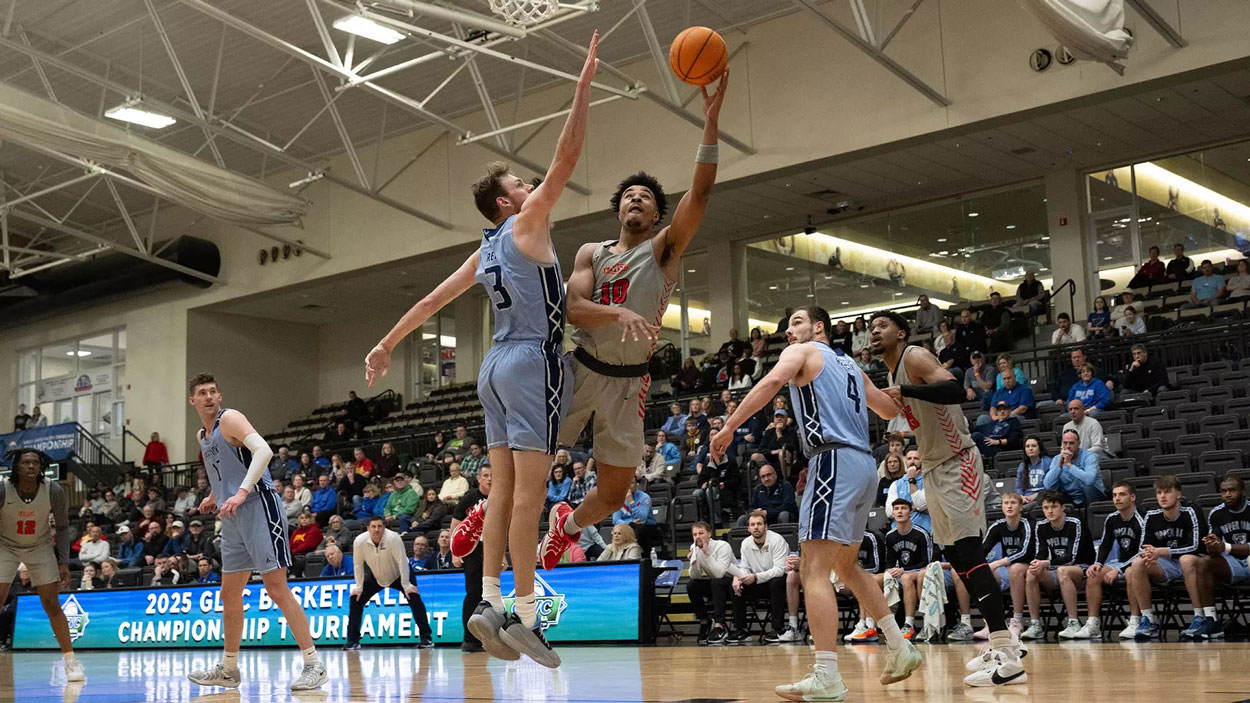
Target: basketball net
[524, 12]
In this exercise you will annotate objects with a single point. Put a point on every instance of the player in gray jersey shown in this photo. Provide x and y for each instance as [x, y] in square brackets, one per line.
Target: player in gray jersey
[29, 504]
[617, 296]
[522, 380]
[253, 533]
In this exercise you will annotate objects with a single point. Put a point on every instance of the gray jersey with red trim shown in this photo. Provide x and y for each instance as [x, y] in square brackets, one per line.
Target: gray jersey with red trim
[941, 430]
[632, 279]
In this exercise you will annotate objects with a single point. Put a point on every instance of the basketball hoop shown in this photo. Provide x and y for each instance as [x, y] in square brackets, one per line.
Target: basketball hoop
[524, 12]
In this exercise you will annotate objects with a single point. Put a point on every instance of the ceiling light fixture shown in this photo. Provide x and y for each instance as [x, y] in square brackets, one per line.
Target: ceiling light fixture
[789, 268]
[80, 352]
[1011, 226]
[973, 214]
[941, 239]
[128, 112]
[367, 28]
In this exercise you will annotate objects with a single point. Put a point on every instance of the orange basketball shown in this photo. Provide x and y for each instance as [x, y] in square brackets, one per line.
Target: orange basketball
[698, 55]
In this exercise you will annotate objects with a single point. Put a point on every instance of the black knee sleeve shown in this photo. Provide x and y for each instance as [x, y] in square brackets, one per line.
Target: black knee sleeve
[967, 556]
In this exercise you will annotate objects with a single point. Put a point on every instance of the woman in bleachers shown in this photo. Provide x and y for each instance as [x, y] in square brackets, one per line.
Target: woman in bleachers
[740, 380]
[335, 532]
[859, 336]
[430, 514]
[1006, 363]
[686, 380]
[1032, 471]
[672, 455]
[1238, 284]
[939, 340]
[758, 344]
[558, 485]
[302, 494]
[387, 465]
[1090, 391]
[1132, 322]
[90, 578]
[306, 467]
[440, 446]
[1098, 324]
[624, 545]
[350, 486]
[372, 504]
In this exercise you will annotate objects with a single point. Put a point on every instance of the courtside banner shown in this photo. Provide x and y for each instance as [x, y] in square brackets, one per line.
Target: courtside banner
[596, 602]
[57, 441]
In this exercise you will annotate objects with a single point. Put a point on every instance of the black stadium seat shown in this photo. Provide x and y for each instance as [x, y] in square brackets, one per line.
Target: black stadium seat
[1191, 413]
[1170, 464]
[1167, 431]
[1239, 440]
[1194, 445]
[1219, 425]
[1142, 450]
[1220, 462]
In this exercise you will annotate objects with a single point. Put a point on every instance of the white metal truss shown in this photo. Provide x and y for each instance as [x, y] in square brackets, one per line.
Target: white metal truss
[1154, 19]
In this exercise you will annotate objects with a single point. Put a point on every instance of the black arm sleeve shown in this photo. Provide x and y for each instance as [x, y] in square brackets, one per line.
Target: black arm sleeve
[948, 392]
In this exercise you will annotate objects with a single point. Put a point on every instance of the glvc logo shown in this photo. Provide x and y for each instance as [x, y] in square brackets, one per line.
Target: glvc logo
[76, 616]
[548, 603]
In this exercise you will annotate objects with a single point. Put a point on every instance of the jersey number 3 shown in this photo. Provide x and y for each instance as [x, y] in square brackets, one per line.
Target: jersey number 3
[614, 292]
[499, 294]
[26, 527]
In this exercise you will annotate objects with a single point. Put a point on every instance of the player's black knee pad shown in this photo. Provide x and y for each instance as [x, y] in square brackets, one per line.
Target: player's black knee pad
[965, 555]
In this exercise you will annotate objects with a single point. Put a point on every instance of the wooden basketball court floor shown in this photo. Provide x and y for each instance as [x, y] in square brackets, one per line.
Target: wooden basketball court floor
[1079, 672]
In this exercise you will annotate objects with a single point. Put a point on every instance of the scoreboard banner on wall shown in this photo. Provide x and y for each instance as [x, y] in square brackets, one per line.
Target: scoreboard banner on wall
[590, 603]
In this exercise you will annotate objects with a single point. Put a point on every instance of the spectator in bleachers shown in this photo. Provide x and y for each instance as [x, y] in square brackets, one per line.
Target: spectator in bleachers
[1121, 542]
[859, 335]
[401, 504]
[440, 446]
[156, 454]
[698, 411]
[154, 541]
[740, 380]
[1127, 300]
[473, 461]
[129, 550]
[363, 464]
[1145, 374]
[1089, 429]
[198, 542]
[891, 470]
[580, 485]
[734, 347]
[672, 454]
[939, 341]
[711, 568]
[302, 492]
[1002, 433]
[1132, 323]
[780, 442]
[19, 420]
[37, 419]
[306, 466]
[953, 356]
[318, 458]
[971, 333]
[1151, 272]
[1018, 397]
[1091, 391]
[111, 510]
[422, 558]
[350, 490]
[707, 491]
[910, 487]
[155, 499]
[1031, 293]
[758, 344]
[1238, 284]
[165, 572]
[1067, 332]
[1207, 289]
[325, 500]
[841, 338]
[94, 548]
[455, 485]
[1171, 545]
[564, 460]
[337, 563]
[636, 512]
[695, 439]
[335, 532]
[624, 546]
[1099, 321]
[186, 501]
[204, 567]
[558, 486]
[357, 409]
[442, 557]
[307, 537]
[1227, 547]
[430, 513]
[1064, 551]
[339, 434]
[675, 424]
[108, 575]
[652, 466]
[290, 504]
[928, 316]
[282, 463]
[336, 467]
[687, 379]
[1180, 268]
[372, 503]
[89, 580]
[1074, 472]
[997, 321]
[462, 441]
[1006, 364]
[1011, 539]
[895, 444]
[979, 378]
[909, 550]
[868, 363]
[775, 496]
[388, 463]
[1061, 385]
[763, 560]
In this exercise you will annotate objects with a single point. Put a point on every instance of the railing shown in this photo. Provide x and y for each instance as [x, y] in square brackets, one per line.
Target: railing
[127, 433]
[183, 474]
[1070, 285]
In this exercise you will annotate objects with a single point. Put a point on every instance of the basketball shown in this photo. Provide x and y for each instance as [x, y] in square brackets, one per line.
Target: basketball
[698, 55]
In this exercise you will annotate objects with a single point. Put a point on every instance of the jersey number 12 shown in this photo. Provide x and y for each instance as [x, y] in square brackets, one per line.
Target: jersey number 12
[26, 527]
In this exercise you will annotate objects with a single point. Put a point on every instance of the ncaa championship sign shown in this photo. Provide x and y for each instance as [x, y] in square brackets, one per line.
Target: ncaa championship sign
[579, 603]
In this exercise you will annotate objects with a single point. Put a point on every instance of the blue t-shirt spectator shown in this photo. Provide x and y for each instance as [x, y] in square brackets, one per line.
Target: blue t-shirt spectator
[775, 501]
[1008, 429]
[1016, 397]
[322, 461]
[212, 577]
[637, 508]
[1099, 319]
[558, 491]
[1031, 478]
[1081, 480]
[324, 500]
[675, 426]
[343, 569]
[1094, 394]
[1021, 379]
[370, 507]
[672, 455]
[1207, 287]
[429, 562]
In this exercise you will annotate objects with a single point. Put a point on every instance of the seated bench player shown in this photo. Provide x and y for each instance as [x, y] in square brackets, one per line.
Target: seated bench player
[1228, 545]
[908, 550]
[1064, 550]
[1170, 552]
[1121, 541]
[1011, 539]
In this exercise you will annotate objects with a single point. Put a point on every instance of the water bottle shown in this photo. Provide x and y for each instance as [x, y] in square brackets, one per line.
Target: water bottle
[655, 557]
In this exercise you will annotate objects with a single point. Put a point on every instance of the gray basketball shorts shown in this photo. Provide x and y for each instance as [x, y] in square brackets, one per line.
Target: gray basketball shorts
[40, 564]
[255, 538]
[618, 406]
[841, 488]
[955, 492]
[525, 390]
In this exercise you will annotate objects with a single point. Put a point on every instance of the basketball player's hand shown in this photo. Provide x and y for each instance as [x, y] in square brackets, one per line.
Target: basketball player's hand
[737, 586]
[712, 101]
[592, 60]
[720, 442]
[1214, 544]
[895, 393]
[208, 505]
[1148, 553]
[355, 592]
[896, 572]
[232, 504]
[411, 590]
[635, 326]
[792, 562]
[1093, 571]
[64, 573]
[457, 562]
[377, 364]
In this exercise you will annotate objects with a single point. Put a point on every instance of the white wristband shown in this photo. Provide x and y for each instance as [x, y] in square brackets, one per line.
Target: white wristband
[1228, 548]
[707, 154]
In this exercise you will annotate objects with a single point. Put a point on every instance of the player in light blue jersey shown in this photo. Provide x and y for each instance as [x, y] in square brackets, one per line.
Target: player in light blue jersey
[831, 398]
[253, 533]
[524, 383]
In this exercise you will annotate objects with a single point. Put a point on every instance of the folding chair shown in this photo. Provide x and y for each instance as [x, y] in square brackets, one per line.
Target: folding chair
[665, 584]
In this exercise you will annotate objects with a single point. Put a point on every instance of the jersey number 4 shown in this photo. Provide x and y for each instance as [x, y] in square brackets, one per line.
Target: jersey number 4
[852, 390]
[614, 292]
[499, 294]
[26, 527]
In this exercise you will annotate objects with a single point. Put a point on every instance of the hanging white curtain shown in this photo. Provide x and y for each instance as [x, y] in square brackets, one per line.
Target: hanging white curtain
[26, 118]
[1088, 29]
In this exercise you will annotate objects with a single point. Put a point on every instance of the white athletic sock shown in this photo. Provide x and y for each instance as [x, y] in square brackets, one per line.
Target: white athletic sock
[570, 526]
[1147, 613]
[69, 657]
[310, 655]
[1018, 616]
[1092, 621]
[828, 660]
[525, 609]
[909, 620]
[491, 593]
[1134, 620]
[230, 661]
[1003, 640]
[966, 619]
[893, 636]
[870, 623]
[1209, 612]
[794, 622]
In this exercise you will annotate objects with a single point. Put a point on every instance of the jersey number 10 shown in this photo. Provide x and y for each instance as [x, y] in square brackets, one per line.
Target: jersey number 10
[614, 292]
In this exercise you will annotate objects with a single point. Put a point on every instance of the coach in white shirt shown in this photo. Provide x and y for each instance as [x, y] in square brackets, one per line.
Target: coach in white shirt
[379, 562]
[764, 562]
[711, 565]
